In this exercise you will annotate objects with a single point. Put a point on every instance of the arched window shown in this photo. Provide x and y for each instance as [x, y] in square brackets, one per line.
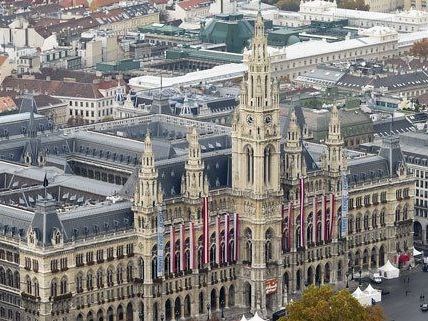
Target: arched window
[268, 246]
[405, 214]
[248, 246]
[79, 283]
[36, 288]
[397, 214]
[249, 154]
[54, 288]
[100, 279]
[267, 164]
[129, 272]
[382, 217]
[29, 286]
[89, 280]
[63, 286]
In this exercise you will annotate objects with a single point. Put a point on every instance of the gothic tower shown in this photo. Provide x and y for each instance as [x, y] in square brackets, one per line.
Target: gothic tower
[255, 130]
[293, 151]
[256, 177]
[194, 184]
[333, 160]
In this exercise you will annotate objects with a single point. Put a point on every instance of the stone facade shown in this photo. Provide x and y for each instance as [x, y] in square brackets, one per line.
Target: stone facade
[286, 234]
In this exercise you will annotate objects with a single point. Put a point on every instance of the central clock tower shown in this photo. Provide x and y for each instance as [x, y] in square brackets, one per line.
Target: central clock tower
[256, 131]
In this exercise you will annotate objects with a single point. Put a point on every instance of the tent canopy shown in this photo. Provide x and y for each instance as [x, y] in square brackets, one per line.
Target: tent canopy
[388, 271]
[374, 294]
[416, 252]
[362, 297]
[256, 317]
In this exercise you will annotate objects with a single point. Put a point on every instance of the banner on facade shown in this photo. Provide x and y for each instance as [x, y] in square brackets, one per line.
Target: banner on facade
[344, 224]
[271, 286]
[160, 237]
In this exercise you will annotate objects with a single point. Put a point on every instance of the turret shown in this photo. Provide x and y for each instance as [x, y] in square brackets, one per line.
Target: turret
[334, 154]
[193, 182]
[293, 150]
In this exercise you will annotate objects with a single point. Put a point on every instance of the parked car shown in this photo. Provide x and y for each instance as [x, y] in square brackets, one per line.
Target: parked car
[424, 307]
[375, 278]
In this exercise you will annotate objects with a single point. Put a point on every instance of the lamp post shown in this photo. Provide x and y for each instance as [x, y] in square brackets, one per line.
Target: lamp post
[347, 279]
[208, 310]
[360, 276]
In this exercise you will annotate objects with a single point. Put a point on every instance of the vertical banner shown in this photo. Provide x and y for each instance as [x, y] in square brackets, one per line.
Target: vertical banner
[323, 218]
[302, 211]
[314, 220]
[290, 225]
[226, 238]
[160, 237]
[206, 231]
[344, 223]
[236, 237]
[217, 240]
[192, 245]
[182, 248]
[332, 217]
[172, 248]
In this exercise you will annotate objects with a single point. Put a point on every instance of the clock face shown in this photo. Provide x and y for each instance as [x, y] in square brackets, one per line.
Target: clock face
[250, 120]
[268, 120]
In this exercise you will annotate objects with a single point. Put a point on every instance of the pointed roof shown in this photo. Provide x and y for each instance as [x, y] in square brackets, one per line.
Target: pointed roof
[388, 267]
[46, 221]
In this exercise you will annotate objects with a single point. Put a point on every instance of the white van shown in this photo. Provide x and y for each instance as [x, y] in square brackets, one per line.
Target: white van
[375, 277]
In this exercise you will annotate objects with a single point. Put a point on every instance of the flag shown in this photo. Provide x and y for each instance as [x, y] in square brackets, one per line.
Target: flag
[182, 248]
[226, 238]
[171, 248]
[323, 218]
[302, 212]
[332, 209]
[217, 240]
[235, 237]
[205, 232]
[314, 220]
[290, 224]
[192, 245]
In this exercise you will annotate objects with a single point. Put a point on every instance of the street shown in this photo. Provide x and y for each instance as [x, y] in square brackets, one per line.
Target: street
[398, 306]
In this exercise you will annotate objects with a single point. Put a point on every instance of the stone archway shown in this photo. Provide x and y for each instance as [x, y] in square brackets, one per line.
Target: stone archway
[318, 274]
[417, 231]
[222, 297]
[168, 310]
[286, 282]
[310, 276]
[382, 255]
[177, 308]
[231, 297]
[213, 300]
[327, 276]
[373, 258]
[187, 307]
[247, 294]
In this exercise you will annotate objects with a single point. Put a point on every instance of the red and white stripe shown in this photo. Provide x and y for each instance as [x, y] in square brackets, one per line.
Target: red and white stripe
[217, 239]
[182, 248]
[314, 220]
[226, 238]
[290, 224]
[171, 248]
[332, 216]
[302, 212]
[206, 231]
[192, 245]
[324, 218]
[236, 236]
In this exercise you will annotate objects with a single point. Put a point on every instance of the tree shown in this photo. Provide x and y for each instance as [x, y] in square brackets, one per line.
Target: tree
[323, 304]
[420, 48]
[353, 4]
[288, 5]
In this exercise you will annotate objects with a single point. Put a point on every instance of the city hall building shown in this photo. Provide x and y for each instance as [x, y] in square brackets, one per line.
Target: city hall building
[163, 218]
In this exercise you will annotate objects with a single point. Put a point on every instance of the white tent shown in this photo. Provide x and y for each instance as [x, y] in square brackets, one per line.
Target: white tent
[243, 318]
[416, 252]
[389, 271]
[374, 294]
[362, 297]
[256, 317]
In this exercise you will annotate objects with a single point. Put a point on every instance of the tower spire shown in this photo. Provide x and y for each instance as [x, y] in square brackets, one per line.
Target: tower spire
[194, 176]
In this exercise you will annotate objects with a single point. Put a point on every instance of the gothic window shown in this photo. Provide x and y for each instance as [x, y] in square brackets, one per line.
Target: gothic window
[405, 210]
[36, 288]
[100, 278]
[382, 217]
[29, 286]
[374, 219]
[397, 214]
[298, 236]
[248, 246]
[249, 154]
[89, 281]
[54, 288]
[141, 268]
[63, 286]
[268, 164]
[366, 222]
[268, 246]
[79, 283]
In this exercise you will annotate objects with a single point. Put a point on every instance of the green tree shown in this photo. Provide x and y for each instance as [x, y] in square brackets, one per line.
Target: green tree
[323, 304]
[353, 4]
